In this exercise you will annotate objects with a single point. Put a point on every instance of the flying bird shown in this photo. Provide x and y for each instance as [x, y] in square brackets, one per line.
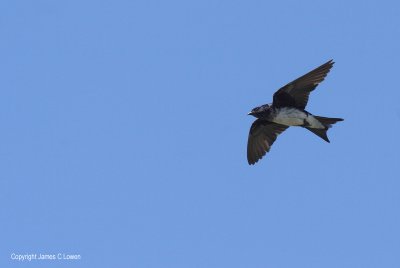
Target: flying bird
[286, 110]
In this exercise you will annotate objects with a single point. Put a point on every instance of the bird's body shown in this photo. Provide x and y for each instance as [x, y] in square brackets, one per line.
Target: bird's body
[291, 116]
[287, 109]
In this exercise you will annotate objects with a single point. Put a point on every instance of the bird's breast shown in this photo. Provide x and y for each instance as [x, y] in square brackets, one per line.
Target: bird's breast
[289, 116]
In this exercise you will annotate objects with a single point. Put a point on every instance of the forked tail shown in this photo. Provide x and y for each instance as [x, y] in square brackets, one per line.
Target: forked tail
[327, 122]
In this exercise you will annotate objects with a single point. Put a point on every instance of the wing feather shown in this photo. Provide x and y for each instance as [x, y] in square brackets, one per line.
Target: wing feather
[297, 92]
[261, 137]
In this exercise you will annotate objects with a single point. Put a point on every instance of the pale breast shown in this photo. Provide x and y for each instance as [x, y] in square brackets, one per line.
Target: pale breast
[289, 117]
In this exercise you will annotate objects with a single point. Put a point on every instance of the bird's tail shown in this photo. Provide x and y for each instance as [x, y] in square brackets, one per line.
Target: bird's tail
[327, 122]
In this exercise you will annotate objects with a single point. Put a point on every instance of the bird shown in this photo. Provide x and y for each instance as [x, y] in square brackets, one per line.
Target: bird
[288, 109]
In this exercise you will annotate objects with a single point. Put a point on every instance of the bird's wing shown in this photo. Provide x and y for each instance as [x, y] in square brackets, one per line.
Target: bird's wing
[261, 137]
[296, 93]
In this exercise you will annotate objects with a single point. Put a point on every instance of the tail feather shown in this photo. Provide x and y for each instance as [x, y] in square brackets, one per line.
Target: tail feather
[320, 132]
[327, 122]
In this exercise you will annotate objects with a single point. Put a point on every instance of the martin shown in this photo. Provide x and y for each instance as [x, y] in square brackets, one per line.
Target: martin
[286, 110]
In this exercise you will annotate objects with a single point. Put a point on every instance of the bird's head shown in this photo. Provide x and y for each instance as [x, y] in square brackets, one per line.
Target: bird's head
[259, 111]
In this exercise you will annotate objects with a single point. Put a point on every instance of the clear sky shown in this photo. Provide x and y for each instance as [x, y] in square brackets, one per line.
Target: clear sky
[124, 129]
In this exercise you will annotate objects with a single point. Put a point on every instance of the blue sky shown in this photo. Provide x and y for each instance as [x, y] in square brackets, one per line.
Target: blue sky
[124, 128]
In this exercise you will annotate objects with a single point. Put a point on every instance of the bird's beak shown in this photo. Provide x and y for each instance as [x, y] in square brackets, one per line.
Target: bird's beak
[250, 113]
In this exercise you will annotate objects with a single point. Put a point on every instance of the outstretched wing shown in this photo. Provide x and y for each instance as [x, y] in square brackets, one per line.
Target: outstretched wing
[261, 137]
[296, 93]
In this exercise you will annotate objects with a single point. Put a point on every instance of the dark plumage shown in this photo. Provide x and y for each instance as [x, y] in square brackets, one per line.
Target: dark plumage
[288, 109]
